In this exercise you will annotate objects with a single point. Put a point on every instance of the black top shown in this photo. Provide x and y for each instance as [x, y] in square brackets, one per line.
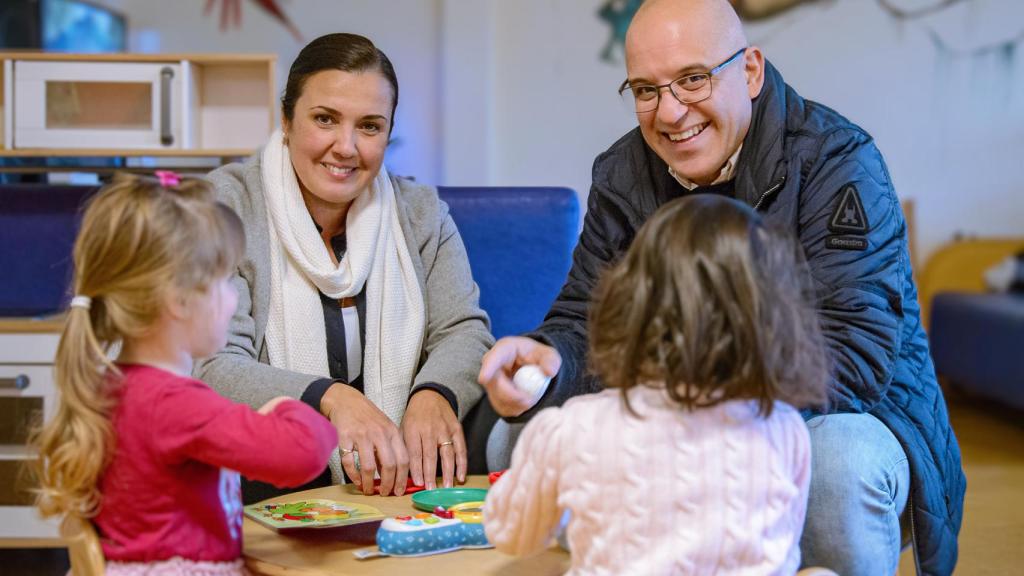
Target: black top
[337, 357]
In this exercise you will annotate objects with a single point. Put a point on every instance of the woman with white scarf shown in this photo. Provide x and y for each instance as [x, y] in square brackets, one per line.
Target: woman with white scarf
[355, 294]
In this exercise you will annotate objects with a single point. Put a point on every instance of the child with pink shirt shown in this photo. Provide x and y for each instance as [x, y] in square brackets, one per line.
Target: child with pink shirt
[150, 455]
[694, 460]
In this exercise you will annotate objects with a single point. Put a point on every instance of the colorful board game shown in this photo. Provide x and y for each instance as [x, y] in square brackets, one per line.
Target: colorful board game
[311, 514]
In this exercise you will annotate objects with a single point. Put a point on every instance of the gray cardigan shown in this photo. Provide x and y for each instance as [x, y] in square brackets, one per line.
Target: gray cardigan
[457, 329]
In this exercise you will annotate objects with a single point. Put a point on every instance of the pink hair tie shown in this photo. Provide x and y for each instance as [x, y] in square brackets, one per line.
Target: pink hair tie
[167, 178]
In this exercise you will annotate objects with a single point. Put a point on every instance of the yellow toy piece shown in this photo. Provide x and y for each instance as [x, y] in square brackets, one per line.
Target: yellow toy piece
[469, 512]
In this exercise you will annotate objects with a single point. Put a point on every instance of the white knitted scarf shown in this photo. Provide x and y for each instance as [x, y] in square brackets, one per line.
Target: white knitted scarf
[376, 257]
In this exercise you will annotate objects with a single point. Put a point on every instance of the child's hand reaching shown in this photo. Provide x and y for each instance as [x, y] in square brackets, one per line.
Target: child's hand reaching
[271, 404]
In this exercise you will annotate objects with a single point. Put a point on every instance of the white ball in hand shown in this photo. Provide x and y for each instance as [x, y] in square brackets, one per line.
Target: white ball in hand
[531, 380]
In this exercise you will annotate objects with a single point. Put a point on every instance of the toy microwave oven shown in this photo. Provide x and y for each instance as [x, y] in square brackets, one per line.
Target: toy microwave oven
[97, 104]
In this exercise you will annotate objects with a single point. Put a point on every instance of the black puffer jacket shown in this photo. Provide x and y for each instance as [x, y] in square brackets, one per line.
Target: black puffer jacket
[797, 161]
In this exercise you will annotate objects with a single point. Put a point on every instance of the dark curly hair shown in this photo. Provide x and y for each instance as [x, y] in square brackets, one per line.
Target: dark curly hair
[712, 304]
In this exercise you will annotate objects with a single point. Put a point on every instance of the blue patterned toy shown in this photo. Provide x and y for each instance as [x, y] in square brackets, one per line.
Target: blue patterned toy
[443, 531]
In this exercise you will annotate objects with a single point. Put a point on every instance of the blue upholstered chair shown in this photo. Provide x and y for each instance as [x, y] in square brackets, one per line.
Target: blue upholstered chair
[520, 243]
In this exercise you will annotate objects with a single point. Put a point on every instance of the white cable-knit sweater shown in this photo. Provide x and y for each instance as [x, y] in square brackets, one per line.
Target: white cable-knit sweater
[713, 491]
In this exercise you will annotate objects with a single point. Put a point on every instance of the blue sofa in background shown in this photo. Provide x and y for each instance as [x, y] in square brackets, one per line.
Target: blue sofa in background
[976, 336]
[519, 241]
[977, 341]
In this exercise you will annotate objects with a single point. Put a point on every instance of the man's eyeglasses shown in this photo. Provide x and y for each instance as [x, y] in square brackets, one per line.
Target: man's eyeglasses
[688, 89]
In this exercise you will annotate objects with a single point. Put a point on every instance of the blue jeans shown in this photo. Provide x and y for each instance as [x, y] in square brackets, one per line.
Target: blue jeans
[860, 480]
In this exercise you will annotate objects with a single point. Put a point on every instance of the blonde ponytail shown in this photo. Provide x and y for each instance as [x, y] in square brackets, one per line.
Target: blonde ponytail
[75, 448]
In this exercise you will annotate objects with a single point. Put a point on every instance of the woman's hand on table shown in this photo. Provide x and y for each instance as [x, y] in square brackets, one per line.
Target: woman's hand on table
[364, 429]
[431, 427]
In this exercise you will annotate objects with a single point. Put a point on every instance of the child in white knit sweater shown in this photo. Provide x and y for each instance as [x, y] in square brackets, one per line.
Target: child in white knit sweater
[695, 459]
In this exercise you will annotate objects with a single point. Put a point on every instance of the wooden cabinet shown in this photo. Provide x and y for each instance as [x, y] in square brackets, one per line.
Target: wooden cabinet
[135, 104]
[27, 350]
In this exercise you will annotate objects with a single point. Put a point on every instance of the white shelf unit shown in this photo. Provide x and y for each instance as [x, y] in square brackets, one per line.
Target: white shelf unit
[219, 105]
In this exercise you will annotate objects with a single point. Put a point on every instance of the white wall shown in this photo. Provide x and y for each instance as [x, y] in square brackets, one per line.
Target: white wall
[467, 93]
[556, 101]
[500, 92]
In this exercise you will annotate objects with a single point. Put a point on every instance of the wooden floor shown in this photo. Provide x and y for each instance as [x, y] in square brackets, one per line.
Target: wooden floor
[991, 539]
[992, 443]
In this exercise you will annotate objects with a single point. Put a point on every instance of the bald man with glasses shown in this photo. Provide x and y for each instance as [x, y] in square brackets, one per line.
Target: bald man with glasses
[715, 117]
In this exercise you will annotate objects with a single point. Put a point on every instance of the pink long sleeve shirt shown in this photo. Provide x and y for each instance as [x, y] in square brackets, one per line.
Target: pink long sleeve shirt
[713, 491]
[172, 486]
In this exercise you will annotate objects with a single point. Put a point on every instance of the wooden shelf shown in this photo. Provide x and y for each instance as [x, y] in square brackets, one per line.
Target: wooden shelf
[126, 153]
[16, 452]
[47, 325]
[122, 57]
[55, 542]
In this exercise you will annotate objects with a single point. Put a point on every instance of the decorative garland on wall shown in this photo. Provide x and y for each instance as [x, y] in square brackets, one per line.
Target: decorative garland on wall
[904, 14]
[763, 9]
[1006, 47]
[619, 13]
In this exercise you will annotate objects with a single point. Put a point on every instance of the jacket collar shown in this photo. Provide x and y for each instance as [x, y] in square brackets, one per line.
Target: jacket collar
[762, 163]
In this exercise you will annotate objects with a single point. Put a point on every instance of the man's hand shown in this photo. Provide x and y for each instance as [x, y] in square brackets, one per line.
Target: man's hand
[500, 365]
[430, 427]
[364, 430]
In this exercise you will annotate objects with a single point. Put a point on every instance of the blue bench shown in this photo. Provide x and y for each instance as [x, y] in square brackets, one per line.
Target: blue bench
[519, 242]
[38, 224]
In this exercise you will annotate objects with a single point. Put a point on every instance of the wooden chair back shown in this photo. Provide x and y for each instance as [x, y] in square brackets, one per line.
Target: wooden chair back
[84, 549]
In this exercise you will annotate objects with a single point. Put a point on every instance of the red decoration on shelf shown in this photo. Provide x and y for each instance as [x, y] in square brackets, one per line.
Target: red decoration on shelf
[231, 14]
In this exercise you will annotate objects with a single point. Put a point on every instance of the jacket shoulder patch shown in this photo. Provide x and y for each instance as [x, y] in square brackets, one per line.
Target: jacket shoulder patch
[849, 217]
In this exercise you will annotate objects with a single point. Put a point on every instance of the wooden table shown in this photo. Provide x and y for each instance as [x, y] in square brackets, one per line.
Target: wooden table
[329, 551]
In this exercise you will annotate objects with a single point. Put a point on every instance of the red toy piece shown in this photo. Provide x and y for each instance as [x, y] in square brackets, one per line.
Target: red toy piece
[440, 512]
[409, 486]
